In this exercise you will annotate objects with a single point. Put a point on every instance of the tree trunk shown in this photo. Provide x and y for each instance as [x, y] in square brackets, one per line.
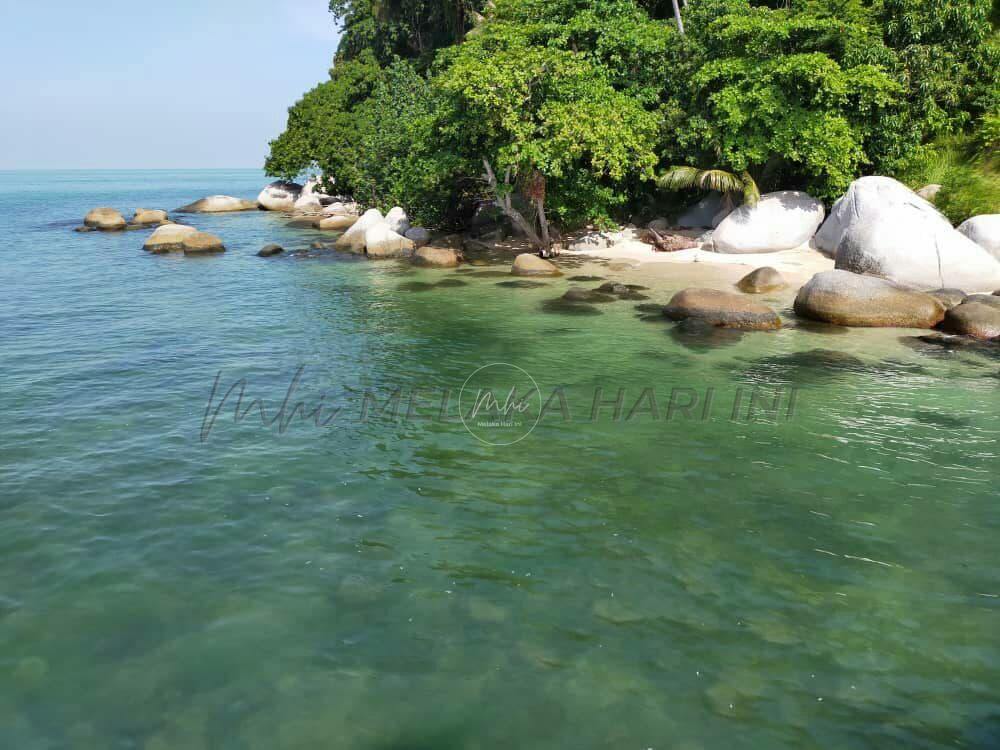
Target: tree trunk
[677, 15]
[502, 200]
[543, 222]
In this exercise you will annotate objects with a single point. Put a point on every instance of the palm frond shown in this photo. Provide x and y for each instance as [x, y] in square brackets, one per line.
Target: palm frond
[679, 178]
[720, 181]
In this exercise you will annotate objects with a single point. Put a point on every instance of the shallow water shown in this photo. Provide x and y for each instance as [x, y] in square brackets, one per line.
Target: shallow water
[823, 574]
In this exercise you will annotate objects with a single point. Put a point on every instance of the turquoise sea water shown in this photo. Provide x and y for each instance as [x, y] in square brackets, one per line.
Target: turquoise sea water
[823, 576]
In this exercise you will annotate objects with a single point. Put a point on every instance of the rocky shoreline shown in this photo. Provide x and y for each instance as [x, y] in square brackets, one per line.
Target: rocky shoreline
[883, 257]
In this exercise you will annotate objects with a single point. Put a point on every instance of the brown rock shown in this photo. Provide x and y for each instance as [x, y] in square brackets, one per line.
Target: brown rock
[202, 242]
[149, 216]
[105, 219]
[528, 264]
[761, 281]
[849, 299]
[270, 250]
[722, 309]
[432, 256]
[949, 297]
[168, 237]
[976, 319]
[337, 223]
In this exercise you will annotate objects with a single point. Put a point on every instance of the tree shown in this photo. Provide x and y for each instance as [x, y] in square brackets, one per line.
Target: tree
[544, 118]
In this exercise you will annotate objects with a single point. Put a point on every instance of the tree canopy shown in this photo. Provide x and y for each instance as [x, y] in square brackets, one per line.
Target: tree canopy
[587, 101]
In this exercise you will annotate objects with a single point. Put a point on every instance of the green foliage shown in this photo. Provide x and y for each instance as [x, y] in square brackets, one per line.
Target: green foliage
[592, 97]
[538, 96]
[969, 176]
[324, 127]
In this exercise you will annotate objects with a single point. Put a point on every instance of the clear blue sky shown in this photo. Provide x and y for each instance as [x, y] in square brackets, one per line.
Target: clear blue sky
[181, 83]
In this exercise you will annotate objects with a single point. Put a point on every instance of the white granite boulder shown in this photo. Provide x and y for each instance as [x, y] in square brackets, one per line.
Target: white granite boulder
[881, 227]
[280, 195]
[984, 231]
[217, 204]
[354, 238]
[397, 220]
[780, 221]
[381, 241]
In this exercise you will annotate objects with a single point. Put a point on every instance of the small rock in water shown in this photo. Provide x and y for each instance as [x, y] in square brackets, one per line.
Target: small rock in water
[975, 317]
[698, 335]
[761, 281]
[105, 220]
[521, 284]
[527, 264]
[201, 243]
[562, 307]
[722, 309]
[269, 250]
[586, 278]
[938, 419]
[587, 296]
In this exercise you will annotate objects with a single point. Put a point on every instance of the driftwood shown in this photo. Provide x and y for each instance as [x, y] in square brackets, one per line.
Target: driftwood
[670, 243]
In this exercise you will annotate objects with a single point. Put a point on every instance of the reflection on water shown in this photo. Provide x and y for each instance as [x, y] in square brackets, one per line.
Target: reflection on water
[826, 579]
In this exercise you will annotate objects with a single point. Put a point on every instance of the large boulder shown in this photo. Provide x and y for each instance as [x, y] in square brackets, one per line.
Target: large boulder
[437, 257]
[881, 227]
[340, 208]
[217, 204]
[354, 238]
[780, 221]
[168, 238]
[201, 243]
[722, 309]
[708, 213]
[848, 299]
[984, 231]
[280, 195]
[761, 281]
[975, 318]
[382, 242]
[146, 216]
[397, 220]
[419, 235]
[337, 223]
[105, 219]
[527, 264]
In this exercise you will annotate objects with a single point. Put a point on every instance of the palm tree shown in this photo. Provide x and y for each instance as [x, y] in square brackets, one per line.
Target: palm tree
[687, 178]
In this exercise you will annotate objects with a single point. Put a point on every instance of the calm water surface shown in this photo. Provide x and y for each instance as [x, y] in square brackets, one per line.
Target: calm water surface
[828, 578]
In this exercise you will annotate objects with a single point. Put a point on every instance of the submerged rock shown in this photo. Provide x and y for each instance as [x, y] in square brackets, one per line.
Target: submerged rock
[849, 299]
[270, 250]
[700, 335]
[984, 231]
[528, 264]
[521, 284]
[280, 195]
[146, 216]
[217, 204]
[761, 281]
[105, 220]
[722, 309]
[168, 238]
[585, 278]
[564, 307]
[201, 243]
[780, 221]
[883, 228]
[587, 296]
[436, 257]
[808, 365]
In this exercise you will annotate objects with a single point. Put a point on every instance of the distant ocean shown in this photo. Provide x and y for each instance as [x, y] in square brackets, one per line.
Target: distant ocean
[341, 562]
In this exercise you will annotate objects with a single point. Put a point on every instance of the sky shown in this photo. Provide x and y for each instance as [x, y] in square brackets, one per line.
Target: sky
[176, 84]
